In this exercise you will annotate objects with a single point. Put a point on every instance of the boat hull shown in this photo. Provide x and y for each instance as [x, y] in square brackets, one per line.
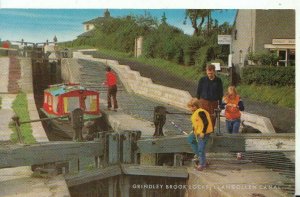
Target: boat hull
[64, 129]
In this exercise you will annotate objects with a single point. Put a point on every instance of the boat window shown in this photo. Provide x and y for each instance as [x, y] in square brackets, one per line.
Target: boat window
[55, 104]
[45, 98]
[49, 100]
[91, 103]
[71, 103]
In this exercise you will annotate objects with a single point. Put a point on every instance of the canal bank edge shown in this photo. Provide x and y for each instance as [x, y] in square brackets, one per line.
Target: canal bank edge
[19, 181]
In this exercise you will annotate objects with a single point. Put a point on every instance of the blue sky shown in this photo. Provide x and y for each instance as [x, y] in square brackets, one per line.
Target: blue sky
[38, 25]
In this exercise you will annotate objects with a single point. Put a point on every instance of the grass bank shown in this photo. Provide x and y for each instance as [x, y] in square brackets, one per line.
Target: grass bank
[20, 107]
[281, 96]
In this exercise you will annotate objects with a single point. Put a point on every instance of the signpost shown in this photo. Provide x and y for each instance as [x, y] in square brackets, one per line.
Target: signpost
[226, 40]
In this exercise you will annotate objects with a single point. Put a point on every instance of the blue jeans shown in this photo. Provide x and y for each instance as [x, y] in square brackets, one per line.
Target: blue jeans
[201, 149]
[192, 140]
[233, 126]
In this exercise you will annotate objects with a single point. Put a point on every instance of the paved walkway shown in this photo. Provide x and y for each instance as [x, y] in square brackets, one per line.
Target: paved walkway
[5, 116]
[229, 177]
[4, 62]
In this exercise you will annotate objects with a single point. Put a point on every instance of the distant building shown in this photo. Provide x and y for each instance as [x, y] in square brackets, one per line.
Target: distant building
[89, 25]
[259, 30]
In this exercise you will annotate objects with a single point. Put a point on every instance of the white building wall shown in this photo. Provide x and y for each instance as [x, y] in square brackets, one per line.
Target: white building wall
[244, 41]
[88, 27]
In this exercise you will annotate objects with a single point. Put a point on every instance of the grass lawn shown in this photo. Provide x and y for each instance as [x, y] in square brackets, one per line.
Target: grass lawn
[20, 107]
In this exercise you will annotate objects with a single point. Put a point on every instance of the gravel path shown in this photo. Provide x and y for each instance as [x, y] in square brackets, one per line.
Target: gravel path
[283, 119]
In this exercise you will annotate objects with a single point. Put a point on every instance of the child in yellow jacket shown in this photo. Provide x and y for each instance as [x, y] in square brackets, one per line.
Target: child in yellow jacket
[202, 127]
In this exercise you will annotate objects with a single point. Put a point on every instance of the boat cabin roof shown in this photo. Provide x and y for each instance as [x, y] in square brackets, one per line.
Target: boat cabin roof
[60, 89]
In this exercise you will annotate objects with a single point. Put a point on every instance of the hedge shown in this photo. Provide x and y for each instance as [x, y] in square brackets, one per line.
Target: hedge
[266, 75]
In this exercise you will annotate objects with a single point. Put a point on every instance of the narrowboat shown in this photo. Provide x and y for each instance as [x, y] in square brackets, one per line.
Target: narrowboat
[61, 99]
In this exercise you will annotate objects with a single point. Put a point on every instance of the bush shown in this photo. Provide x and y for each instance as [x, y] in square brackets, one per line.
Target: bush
[265, 75]
[193, 45]
[201, 58]
[264, 58]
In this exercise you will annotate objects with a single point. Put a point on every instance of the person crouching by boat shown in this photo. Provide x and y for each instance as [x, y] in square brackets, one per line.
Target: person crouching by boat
[233, 106]
[111, 82]
[202, 127]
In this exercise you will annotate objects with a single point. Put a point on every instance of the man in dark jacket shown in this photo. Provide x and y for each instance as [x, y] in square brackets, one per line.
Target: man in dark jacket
[210, 91]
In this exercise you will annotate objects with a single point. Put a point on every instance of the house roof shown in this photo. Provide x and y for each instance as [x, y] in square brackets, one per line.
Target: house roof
[97, 20]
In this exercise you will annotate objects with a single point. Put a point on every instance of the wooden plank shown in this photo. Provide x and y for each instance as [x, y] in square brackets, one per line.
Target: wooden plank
[163, 171]
[92, 175]
[24, 155]
[224, 143]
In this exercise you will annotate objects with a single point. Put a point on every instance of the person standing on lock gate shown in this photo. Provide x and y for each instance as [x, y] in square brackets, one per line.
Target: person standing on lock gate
[210, 92]
[233, 105]
[111, 82]
[202, 127]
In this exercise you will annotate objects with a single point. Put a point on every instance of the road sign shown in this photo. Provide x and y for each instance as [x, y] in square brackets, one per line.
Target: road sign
[224, 39]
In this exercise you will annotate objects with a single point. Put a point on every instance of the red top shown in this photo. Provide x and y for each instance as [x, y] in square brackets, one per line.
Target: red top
[232, 111]
[5, 45]
[111, 79]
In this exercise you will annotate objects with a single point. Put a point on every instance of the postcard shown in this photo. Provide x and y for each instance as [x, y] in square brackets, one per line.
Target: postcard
[147, 101]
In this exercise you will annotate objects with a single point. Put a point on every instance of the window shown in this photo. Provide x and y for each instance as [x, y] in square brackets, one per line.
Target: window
[55, 104]
[70, 103]
[49, 101]
[91, 103]
[45, 98]
[282, 53]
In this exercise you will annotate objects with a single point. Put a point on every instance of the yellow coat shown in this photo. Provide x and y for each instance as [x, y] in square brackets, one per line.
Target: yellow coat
[198, 125]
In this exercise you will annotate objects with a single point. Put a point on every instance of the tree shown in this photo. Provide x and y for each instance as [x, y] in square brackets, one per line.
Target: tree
[164, 18]
[55, 39]
[106, 13]
[194, 15]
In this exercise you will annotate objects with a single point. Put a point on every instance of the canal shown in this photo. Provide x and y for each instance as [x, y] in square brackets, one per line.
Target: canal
[48, 73]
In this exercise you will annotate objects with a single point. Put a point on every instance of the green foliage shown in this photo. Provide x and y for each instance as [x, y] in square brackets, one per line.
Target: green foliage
[269, 94]
[166, 42]
[265, 75]
[264, 58]
[193, 45]
[201, 58]
[20, 107]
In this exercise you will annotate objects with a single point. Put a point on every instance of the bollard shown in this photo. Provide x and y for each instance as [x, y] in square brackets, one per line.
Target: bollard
[159, 120]
[16, 119]
[76, 117]
[217, 114]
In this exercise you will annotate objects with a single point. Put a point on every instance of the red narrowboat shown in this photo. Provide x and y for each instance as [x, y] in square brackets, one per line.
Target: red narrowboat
[62, 99]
